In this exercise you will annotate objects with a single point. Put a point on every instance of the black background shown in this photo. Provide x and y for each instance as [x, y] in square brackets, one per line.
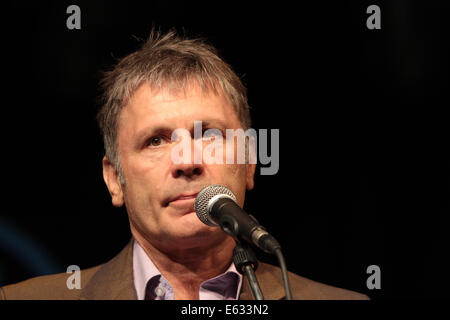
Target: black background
[362, 114]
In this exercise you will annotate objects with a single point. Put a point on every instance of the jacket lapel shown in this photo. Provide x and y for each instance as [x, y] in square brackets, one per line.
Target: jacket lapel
[268, 283]
[114, 280]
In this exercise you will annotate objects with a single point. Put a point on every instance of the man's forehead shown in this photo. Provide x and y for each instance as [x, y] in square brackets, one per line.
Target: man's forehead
[174, 91]
[155, 106]
[147, 98]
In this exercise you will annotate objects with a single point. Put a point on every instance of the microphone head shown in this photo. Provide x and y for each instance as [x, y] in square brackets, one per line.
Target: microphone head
[206, 199]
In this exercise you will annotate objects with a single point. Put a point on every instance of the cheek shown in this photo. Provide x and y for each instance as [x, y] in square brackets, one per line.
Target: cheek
[145, 178]
[147, 168]
[142, 205]
[226, 172]
[232, 176]
[235, 151]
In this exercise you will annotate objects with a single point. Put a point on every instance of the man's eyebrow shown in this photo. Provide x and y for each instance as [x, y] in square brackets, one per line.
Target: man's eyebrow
[148, 132]
[214, 123]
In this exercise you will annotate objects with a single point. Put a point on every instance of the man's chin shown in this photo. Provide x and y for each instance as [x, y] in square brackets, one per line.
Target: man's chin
[190, 228]
[196, 228]
[190, 219]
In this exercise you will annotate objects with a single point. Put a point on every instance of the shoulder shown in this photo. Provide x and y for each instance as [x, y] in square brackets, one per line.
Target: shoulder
[49, 287]
[303, 288]
[111, 280]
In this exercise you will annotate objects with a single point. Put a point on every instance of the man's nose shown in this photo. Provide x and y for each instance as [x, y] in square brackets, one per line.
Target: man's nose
[194, 167]
[189, 170]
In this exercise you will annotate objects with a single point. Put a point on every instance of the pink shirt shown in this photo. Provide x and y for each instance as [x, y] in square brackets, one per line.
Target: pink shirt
[226, 286]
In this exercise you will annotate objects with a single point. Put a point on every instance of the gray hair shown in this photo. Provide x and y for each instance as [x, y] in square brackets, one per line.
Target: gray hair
[171, 62]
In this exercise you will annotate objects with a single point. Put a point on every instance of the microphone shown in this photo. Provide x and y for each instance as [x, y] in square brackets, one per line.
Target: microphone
[216, 205]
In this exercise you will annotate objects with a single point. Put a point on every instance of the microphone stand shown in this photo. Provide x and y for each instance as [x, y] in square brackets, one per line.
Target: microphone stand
[245, 261]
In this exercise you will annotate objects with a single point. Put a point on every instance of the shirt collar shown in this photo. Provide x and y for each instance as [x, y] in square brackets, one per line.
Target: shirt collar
[144, 269]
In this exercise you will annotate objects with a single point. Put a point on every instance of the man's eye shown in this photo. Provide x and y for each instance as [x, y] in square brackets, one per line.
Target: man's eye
[155, 141]
[212, 134]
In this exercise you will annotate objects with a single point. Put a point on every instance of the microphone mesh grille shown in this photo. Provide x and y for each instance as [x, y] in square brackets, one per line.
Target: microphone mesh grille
[203, 198]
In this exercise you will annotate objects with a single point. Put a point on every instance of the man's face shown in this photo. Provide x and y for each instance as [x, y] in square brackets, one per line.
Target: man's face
[158, 193]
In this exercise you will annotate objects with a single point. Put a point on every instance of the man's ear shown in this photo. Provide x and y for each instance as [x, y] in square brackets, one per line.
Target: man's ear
[111, 177]
[250, 160]
[250, 175]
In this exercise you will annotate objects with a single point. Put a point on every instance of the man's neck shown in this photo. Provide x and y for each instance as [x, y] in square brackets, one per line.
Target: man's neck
[186, 268]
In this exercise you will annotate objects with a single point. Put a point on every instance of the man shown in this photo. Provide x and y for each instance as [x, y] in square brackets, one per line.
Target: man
[167, 85]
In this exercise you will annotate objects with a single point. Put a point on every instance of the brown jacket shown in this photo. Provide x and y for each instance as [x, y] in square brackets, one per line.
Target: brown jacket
[114, 280]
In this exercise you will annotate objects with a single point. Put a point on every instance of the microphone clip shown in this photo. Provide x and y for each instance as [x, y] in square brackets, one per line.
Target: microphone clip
[245, 261]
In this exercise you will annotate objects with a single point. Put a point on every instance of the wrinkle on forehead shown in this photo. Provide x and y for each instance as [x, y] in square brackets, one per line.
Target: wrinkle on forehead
[169, 93]
[181, 89]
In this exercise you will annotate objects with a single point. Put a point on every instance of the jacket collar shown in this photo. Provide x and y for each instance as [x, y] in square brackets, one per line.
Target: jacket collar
[268, 283]
[114, 280]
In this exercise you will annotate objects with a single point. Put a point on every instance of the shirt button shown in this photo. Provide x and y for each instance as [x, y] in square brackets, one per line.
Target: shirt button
[160, 292]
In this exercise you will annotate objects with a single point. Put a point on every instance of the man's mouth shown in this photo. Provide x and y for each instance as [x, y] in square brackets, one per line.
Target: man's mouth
[186, 197]
[183, 201]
